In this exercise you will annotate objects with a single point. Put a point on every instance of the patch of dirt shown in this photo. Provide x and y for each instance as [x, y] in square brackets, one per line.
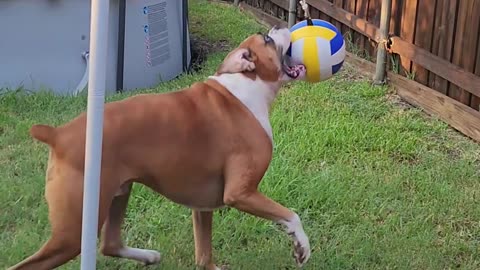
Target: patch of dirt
[398, 101]
[351, 73]
[405, 158]
[201, 48]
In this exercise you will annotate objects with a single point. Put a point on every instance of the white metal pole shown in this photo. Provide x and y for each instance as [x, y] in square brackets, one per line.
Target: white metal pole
[93, 148]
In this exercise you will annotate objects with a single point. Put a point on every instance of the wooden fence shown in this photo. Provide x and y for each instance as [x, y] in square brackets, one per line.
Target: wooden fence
[436, 43]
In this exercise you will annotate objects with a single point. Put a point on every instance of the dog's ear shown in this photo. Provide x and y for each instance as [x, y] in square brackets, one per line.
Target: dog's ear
[237, 61]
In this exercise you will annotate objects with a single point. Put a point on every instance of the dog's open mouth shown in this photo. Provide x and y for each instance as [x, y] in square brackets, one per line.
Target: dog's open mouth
[293, 71]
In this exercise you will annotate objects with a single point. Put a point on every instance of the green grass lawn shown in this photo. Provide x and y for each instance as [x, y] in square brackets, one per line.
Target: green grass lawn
[377, 184]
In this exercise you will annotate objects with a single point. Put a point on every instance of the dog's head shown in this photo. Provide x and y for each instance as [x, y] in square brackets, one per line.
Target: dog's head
[263, 55]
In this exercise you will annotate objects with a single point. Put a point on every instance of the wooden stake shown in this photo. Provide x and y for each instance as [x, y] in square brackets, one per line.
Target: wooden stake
[381, 65]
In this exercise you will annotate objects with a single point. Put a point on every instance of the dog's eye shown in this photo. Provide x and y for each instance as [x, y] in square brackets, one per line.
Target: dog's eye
[267, 39]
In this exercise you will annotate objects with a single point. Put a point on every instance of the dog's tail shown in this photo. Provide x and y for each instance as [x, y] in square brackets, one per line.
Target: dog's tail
[43, 133]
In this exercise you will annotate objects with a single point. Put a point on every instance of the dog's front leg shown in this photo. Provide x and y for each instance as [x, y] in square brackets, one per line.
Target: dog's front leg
[257, 204]
[202, 232]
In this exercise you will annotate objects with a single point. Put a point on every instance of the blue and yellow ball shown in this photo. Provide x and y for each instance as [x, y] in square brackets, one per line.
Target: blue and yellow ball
[319, 46]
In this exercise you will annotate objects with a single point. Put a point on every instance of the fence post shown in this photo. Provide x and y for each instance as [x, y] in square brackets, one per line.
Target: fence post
[236, 2]
[292, 13]
[381, 65]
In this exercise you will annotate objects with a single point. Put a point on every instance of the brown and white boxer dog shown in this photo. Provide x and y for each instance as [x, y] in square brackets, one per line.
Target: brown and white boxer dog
[203, 147]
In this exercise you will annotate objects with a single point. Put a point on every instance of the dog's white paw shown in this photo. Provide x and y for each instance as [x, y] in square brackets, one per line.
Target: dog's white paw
[152, 257]
[146, 256]
[301, 245]
[301, 250]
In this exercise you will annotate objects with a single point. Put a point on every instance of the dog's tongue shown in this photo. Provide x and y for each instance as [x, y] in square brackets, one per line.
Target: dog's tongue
[293, 71]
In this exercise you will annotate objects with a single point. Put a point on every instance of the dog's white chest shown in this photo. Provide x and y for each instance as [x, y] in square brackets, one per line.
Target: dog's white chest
[256, 95]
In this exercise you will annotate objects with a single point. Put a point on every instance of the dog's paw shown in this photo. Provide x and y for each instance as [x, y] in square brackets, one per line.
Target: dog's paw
[152, 257]
[145, 256]
[301, 244]
[301, 251]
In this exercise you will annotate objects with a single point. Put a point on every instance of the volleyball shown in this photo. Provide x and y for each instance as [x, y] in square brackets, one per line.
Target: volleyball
[319, 46]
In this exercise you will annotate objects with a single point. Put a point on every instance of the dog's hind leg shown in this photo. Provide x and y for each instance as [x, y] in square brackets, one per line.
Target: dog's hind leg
[57, 251]
[63, 193]
[112, 244]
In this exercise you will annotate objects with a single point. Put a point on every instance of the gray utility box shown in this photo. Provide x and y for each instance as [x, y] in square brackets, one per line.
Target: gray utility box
[44, 44]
